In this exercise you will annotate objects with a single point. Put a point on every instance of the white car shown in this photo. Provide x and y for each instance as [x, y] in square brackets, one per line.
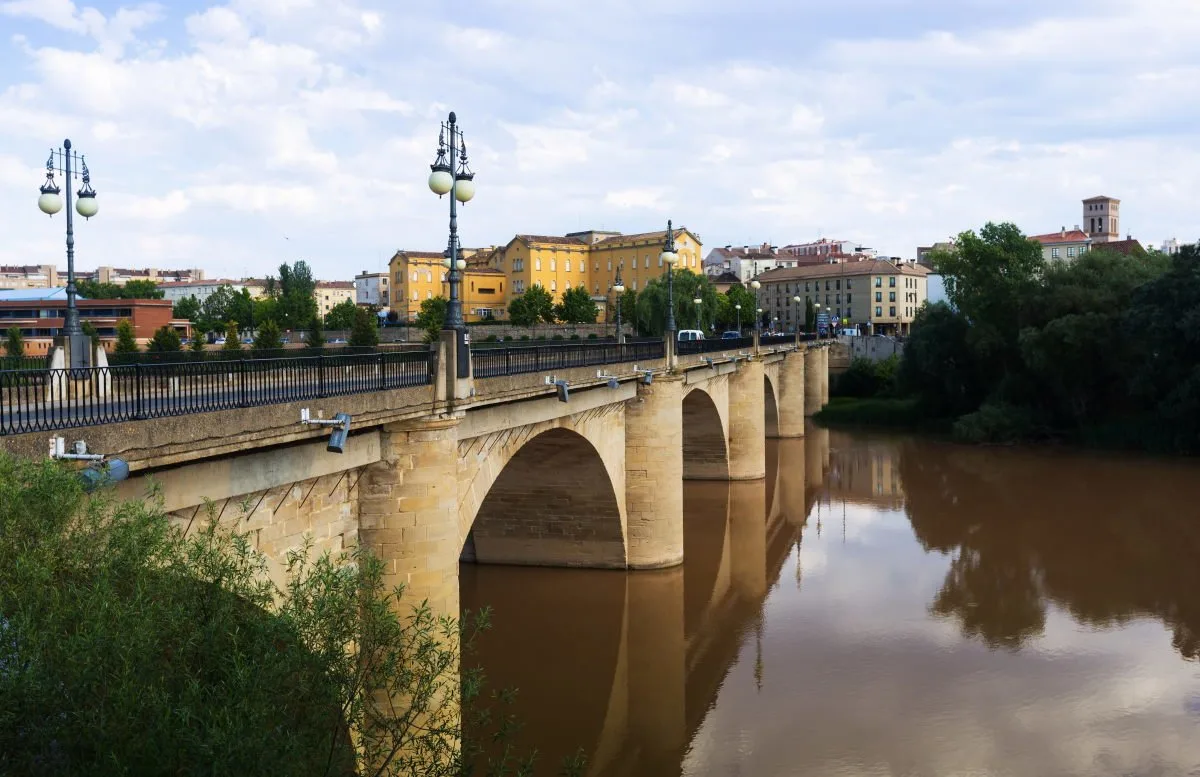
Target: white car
[690, 334]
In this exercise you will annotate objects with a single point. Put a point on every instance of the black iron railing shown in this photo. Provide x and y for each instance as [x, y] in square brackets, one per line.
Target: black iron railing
[688, 347]
[43, 400]
[246, 352]
[493, 362]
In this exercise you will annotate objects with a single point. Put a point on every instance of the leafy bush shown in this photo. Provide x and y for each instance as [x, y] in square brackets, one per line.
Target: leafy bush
[592, 336]
[575, 337]
[558, 337]
[490, 339]
[867, 378]
[996, 422]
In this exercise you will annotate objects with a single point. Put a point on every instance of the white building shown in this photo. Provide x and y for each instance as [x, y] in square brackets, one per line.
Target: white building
[371, 288]
[1170, 246]
[826, 248]
[202, 290]
[747, 261]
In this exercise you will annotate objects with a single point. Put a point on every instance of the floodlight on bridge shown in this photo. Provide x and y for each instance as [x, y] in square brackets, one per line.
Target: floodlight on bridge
[612, 379]
[340, 424]
[101, 471]
[562, 385]
[647, 375]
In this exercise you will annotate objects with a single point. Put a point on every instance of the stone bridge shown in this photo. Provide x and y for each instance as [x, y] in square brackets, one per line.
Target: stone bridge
[498, 470]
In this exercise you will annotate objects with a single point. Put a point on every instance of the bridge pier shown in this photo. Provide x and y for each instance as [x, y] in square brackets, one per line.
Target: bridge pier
[657, 649]
[812, 381]
[748, 538]
[408, 510]
[791, 409]
[824, 375]
[747, 422]
[654, 474]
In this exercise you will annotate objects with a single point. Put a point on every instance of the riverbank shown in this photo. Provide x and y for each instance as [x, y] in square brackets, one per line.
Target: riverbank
[898, 415]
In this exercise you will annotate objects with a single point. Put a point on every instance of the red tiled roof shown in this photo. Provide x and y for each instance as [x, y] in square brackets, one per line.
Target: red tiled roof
[1127, 247]
[865, 267]
[1101, 197]
[1068, 236]
[420, 254]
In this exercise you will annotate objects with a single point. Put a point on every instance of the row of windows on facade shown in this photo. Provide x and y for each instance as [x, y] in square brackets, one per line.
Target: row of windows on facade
[685, 260]
[1054, 252]
[909, 283]
[837, 312]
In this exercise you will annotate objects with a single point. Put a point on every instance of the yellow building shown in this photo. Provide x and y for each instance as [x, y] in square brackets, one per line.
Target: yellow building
[590, 260]
[873, 296]
[419, 275]
[330, 294]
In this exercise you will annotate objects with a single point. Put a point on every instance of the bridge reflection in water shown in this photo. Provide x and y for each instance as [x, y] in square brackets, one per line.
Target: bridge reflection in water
[627, 665]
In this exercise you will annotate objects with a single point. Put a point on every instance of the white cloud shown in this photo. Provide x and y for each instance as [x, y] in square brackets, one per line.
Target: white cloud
[888, 128]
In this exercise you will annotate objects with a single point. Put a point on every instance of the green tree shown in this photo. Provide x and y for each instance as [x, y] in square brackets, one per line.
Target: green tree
[315, 338]
[140, 290]
[810, 316]
[196, 345]
[432, 317]
[652, 303]
[535, 306]
[245, 310]
[365, 332]
[14, 343]
[268, 337]
[297, 295]
[341, 315]
[130, 648]
[989, 277]
[938, 366]
[215, 311]
[233, 342]
[165, 340]
[187, 308]
[126, 342]
[89, 329]
[576, 307]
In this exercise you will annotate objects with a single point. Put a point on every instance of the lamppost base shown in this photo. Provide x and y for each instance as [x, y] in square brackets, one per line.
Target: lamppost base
[76, 350]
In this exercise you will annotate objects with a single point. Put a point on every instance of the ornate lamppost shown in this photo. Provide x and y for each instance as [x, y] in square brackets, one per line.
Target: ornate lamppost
[49, 202]
[619, 288]
[799, 312]
[449, 174]
[697, 301]
[669, 258]
[754, 284]
[738, 308]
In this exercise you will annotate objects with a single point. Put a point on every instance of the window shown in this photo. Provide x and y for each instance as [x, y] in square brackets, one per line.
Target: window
[647, 261]
[878, 282]
[849, 298]
[806, 285]
[1070, 251]
[429, 295]
[1053, 253]
[553, 284]
[537, 264]
[892, 282]
[892, 311]
[553, 264]
[635, 284]
[879, 296]
[839, 283]
[567, 264]
[849, 284]
[839, 299]
[891, 296]
[414, 275]
[610, 265]
[826, 285]
[414, 295]
[878, 311]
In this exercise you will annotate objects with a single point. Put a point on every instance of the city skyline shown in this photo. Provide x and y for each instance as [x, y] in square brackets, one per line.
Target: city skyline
[238, 136]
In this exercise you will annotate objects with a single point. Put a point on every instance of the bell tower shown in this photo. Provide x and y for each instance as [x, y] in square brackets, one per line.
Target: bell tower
[1102, 219]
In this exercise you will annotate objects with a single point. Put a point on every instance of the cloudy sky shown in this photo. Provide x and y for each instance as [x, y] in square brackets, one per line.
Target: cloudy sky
[236, 136]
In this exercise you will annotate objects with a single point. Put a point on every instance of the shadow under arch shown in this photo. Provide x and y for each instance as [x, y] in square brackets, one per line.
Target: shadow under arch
[553, 504]
[705, 452]
[770, 408]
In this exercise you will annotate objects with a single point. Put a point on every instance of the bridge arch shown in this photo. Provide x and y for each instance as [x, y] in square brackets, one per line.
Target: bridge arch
[546, 497]
[770, 407]
[705, 440]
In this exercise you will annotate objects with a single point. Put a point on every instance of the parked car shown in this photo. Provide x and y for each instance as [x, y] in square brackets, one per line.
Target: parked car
[686, 335]
[731, 335]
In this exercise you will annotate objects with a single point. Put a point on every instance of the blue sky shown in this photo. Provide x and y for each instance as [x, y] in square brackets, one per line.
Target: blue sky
[237, 136]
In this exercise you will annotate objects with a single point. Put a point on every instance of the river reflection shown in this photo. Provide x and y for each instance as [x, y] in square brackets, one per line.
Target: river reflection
[877, 606]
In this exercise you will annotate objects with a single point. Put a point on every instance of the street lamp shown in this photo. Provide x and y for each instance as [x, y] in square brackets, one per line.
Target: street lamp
[457, 180]
[669, 258]
[754, 284]
[50, 203]
[619, 288]
[738, 308]
[696, 301]
[799, 313]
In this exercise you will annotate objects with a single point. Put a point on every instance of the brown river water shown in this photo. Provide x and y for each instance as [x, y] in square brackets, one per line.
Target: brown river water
[877, 606]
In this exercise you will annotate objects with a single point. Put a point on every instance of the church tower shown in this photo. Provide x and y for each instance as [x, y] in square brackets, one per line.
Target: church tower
[1101, 219]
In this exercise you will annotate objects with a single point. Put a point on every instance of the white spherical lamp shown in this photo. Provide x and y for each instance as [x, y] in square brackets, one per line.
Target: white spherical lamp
[670, 257]
[619, 287]
[446, 262]
[464, 188]
[754, 284]
[796, 299]
[50, 202]
[440, 180]
[461, 264]
[86, 205]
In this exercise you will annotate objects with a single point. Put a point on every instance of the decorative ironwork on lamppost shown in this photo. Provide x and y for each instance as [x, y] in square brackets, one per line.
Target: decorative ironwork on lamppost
[697, 301]
[619, 289]
[449, 174]
[669, 257]
[49, 202]
[754, 284]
